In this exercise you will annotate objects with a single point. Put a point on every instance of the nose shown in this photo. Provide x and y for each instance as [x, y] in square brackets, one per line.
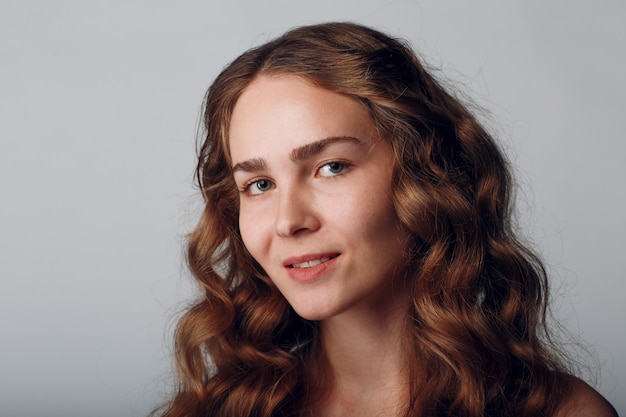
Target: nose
[295, 214]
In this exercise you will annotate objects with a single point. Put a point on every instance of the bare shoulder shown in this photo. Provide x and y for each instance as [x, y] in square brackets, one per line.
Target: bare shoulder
[584, 401]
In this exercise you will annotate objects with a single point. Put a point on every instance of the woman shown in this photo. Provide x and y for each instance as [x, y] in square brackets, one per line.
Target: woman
[356, 253]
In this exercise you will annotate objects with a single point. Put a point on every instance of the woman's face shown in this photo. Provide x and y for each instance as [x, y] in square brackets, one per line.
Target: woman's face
[315, 197]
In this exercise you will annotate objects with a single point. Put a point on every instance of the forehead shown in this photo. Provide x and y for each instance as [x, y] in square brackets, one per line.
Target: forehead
[280, 113]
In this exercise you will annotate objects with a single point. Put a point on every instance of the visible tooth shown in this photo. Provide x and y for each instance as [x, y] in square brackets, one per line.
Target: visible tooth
[310, 264]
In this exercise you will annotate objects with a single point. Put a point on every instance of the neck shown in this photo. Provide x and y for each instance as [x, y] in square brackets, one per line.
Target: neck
[365, 358]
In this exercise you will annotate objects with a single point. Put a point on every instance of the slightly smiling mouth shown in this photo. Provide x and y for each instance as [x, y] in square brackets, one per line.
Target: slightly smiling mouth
[313, 262]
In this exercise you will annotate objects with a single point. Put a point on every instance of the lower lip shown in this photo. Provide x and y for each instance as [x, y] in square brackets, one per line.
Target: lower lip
[306, 275]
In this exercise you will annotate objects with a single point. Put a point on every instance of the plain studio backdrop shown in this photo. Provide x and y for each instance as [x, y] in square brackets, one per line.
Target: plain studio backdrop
[99, 103]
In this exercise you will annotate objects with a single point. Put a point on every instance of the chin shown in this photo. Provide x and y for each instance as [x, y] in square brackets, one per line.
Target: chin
[311, 314]
[315, 312]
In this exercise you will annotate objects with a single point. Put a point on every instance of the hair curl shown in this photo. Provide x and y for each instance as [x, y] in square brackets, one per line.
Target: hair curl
[479, 296]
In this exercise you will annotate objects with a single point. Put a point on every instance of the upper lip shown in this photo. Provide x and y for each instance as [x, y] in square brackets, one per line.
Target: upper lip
[309, 257]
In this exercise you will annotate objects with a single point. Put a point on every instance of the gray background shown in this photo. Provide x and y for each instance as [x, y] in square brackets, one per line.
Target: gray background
[99, 107]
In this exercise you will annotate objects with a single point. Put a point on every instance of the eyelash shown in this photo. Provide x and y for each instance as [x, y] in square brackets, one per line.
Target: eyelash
[245, 189]
[344, 165]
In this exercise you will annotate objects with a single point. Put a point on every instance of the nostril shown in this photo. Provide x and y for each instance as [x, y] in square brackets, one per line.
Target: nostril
[295, 215]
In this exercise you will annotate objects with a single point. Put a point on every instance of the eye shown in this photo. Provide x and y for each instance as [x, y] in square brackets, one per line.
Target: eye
[332, 169]
[257, 187]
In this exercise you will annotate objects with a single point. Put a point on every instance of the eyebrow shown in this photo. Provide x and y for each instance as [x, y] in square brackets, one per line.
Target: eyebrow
[314, 148]
[298, 154]
[251, 165]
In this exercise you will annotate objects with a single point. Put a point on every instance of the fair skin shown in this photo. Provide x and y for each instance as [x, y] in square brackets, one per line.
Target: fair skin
[316, 213]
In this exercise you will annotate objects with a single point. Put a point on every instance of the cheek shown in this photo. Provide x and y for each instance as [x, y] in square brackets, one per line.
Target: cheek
[251, 229]
[247, 234]
[369, 209]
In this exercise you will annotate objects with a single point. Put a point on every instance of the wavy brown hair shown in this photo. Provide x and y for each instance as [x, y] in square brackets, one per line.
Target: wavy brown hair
[479, 296]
